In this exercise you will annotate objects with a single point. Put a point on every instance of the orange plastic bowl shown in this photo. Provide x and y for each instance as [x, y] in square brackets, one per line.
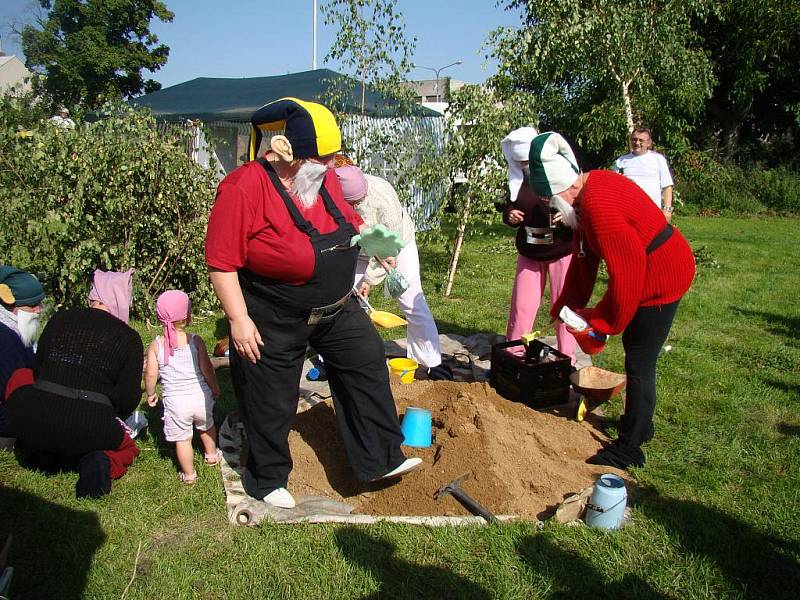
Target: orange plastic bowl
[598, 385]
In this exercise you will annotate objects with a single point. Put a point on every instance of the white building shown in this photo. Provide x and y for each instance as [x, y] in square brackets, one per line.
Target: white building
[433, 91]
[13, 74]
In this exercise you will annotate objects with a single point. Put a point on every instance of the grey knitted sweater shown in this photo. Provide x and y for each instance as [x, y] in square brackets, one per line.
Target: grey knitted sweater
[382, 205]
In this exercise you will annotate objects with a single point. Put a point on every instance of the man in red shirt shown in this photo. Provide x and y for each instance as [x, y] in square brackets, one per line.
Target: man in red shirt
[650, 268]
[279, 257]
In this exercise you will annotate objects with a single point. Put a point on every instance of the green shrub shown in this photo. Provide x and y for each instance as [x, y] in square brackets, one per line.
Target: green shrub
[777, 189]
[710, 186]
[113, 194]
[718, 188]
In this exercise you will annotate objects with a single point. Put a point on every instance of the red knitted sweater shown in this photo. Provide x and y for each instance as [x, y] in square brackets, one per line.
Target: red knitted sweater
[617, 222]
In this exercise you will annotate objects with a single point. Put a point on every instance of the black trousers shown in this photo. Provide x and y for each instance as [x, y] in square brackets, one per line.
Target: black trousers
[268, 392]
[642, 340]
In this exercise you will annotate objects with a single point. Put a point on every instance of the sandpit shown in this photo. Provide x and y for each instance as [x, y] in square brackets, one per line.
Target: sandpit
[521, 461]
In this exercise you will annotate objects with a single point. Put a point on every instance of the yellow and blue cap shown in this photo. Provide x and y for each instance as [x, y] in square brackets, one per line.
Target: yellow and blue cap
[310, 127]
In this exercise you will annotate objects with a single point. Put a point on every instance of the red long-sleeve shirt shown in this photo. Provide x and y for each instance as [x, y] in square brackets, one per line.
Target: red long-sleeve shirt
[251, 227]
[617, 223]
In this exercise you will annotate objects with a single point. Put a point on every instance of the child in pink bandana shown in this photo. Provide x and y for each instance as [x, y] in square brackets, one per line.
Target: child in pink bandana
[188, 383]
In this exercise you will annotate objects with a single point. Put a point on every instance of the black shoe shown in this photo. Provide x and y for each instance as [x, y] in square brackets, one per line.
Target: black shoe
[615, 456]
[440, 373]
[94, 475]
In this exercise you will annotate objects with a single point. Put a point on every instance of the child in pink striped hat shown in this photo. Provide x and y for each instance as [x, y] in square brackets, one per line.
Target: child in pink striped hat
[188, 383]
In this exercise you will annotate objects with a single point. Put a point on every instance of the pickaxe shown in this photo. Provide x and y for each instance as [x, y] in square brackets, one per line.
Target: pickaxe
[454, 489]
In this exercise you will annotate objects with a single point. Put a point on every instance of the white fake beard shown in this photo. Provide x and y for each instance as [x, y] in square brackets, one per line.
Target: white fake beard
[568, 214]
[27, 325]
[308, 181]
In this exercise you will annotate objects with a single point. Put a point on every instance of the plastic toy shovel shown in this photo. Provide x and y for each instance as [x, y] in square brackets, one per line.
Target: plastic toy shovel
[381, 318]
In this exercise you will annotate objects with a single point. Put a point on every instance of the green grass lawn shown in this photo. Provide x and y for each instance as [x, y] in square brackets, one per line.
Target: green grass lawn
[715, 514]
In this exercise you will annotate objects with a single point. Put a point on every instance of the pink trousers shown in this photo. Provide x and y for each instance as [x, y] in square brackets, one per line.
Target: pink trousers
[529, 283]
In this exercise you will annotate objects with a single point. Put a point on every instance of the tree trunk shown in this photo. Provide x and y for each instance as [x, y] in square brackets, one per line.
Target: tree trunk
[626, 99]
[362, 59]
[459, 241]
[363, 94]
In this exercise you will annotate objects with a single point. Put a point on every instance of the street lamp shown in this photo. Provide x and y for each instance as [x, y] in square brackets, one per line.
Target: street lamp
[437, 71]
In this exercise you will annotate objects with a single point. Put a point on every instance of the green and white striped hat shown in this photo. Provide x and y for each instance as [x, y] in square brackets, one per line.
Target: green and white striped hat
[552, 164]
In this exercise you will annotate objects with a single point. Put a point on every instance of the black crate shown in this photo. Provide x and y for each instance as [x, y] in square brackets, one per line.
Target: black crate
[525, 379]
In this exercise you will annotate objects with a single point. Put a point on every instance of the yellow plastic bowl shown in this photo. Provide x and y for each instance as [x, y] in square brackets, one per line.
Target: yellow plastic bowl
[403, 368]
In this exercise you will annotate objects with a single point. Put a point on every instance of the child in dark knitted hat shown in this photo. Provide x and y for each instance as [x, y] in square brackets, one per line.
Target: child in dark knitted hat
[188, 383]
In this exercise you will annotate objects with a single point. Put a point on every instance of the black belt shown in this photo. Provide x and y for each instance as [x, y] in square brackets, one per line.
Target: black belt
[659, 240]
[537, 236]
[70, 392]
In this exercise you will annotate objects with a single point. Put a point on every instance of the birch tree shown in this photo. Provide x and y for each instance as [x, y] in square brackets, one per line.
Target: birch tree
[603, 66]
[472, 163]
[371, 44]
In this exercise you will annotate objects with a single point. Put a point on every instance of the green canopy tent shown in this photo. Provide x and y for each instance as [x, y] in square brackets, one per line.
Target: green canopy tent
[225, 106]
[225, 99]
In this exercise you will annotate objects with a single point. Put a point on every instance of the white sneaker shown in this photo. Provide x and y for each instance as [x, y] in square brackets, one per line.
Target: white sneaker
[280, 498]
[135, 423]
[405, 467]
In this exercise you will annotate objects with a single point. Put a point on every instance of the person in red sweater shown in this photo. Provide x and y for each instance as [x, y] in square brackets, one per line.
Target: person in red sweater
[280, 260]
[650, 268]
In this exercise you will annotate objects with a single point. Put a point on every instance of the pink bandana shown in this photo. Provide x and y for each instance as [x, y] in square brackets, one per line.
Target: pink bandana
[171, 306]
[354, 184]
[115, 290]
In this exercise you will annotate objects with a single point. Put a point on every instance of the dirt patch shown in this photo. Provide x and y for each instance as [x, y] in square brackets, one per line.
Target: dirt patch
[521, 461]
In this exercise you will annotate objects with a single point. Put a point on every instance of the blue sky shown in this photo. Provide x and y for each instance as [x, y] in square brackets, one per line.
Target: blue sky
[251, 38]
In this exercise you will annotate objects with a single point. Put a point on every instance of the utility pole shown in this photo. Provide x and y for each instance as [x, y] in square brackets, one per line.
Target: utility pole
[314, 37]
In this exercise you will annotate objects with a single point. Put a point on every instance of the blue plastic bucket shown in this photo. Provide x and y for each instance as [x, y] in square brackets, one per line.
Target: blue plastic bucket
[416, 427]
[606, 507]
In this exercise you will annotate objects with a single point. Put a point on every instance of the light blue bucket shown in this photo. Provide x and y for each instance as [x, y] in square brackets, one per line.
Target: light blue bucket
[606, 507]
[416, 427]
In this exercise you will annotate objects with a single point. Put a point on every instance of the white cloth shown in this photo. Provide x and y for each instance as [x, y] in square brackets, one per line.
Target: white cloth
[423, 336]
[516, 147]
[650, 171]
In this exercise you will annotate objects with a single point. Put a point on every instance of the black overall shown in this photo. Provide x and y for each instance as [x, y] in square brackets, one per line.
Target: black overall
[322, 313]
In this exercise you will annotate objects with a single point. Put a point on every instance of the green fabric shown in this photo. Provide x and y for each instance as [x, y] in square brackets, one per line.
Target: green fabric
[228, 99]
[26, 289]
[538, 176]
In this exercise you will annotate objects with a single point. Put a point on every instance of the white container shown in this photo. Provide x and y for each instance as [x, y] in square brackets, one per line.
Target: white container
[606, 507]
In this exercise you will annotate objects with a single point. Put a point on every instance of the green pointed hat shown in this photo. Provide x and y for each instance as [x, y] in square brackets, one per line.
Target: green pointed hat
[552, 164]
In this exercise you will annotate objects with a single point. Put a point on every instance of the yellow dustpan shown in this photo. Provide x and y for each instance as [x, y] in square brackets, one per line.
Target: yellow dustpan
[381, 318]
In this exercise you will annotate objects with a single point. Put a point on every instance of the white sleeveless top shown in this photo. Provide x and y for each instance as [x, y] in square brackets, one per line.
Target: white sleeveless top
[182, 376]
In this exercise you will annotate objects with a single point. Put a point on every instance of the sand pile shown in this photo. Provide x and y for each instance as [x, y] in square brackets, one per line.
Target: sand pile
[521, 461]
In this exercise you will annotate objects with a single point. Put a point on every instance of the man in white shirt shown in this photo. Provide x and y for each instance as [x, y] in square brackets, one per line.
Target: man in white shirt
[648, 169]
[62, 119]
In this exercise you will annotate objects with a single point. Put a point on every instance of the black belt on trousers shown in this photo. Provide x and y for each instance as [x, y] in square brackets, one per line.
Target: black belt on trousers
[659, 240]
[70, 392]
